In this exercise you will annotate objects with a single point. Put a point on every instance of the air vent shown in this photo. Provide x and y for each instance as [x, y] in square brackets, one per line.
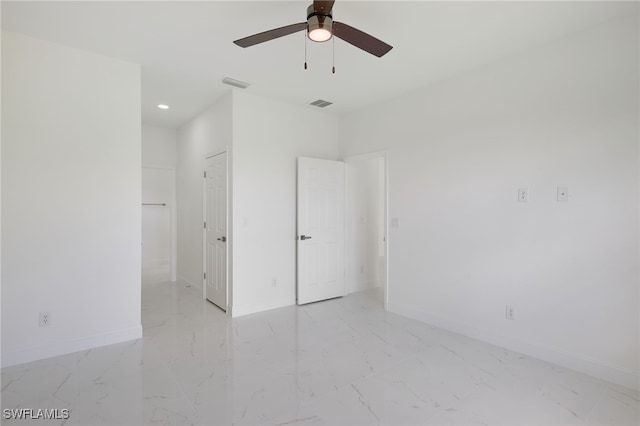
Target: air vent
[235, 83]
[320, 103]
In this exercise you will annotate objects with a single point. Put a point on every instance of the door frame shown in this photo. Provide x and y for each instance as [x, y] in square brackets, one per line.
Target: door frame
[229, 301]
[173, 262]
[384, 155]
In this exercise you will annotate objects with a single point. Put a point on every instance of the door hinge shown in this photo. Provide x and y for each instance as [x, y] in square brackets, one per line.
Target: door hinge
[205, 173]
[205, 275]
[205, 225]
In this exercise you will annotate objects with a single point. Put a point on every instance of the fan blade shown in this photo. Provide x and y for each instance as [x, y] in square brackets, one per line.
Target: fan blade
[360, 39]
[323, 6]
[270, 35]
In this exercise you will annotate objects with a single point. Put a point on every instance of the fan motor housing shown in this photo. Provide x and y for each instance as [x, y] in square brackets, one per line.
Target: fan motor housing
[319, 25]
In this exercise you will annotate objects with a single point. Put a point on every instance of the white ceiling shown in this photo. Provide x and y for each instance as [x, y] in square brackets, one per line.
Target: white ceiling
[185, 48]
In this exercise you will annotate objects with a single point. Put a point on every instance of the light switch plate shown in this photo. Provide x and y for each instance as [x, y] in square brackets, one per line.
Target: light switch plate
[563, 194]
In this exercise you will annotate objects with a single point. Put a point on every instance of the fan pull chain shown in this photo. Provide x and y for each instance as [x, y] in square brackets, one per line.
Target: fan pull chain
[305, 50]
[333, 68]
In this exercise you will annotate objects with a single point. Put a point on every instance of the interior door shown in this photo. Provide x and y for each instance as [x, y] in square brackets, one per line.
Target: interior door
[320, 230]
[216, 230]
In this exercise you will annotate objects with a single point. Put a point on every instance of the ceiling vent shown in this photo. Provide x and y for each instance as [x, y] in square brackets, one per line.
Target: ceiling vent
[320, 103]
[235, 83]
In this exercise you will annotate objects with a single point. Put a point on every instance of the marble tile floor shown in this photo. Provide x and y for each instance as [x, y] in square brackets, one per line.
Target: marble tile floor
[340, 362]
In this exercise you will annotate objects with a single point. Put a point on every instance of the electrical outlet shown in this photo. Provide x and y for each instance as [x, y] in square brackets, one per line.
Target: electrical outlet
[274, 282]
[563, 194]
[44, 319]
[510, 313]
[523, 195]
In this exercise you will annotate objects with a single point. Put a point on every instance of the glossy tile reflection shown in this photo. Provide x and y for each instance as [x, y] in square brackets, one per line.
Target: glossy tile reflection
[339, 362]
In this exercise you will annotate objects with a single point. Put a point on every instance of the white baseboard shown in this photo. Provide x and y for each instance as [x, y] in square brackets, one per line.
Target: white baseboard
[162, 264]
[70, 346]
[186, 281]
[592, 367]
[239, 311]
[362, 286]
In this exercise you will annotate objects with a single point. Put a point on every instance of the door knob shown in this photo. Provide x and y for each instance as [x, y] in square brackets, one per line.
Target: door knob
[305, 237]
[223, 239]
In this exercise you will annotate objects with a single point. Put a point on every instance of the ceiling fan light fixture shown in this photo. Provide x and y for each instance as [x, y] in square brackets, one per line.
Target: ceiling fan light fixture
[319, 34]
[318, 25]
[320, 28]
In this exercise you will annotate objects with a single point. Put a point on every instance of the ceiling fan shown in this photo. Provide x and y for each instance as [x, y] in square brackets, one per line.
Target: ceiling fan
[321, 27]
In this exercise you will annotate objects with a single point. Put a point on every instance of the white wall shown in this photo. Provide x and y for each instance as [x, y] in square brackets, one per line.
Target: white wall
[159, 147]
[365, 211]
[70, 199]
[208, 132]
[263, 138]
[563, 114]
[0, 192]
[268, 136]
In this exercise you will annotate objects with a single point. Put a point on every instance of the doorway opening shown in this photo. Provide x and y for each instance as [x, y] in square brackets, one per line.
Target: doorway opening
[366, 224]
[158, 225]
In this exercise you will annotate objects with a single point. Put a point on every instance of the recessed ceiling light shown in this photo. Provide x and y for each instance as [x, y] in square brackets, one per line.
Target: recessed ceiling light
[163, 106]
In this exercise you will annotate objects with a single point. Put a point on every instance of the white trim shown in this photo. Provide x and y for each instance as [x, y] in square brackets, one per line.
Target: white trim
[203, 281]
[384, 154]
[592, 367]
[255, 308]
[217, 152]
[70, 346]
